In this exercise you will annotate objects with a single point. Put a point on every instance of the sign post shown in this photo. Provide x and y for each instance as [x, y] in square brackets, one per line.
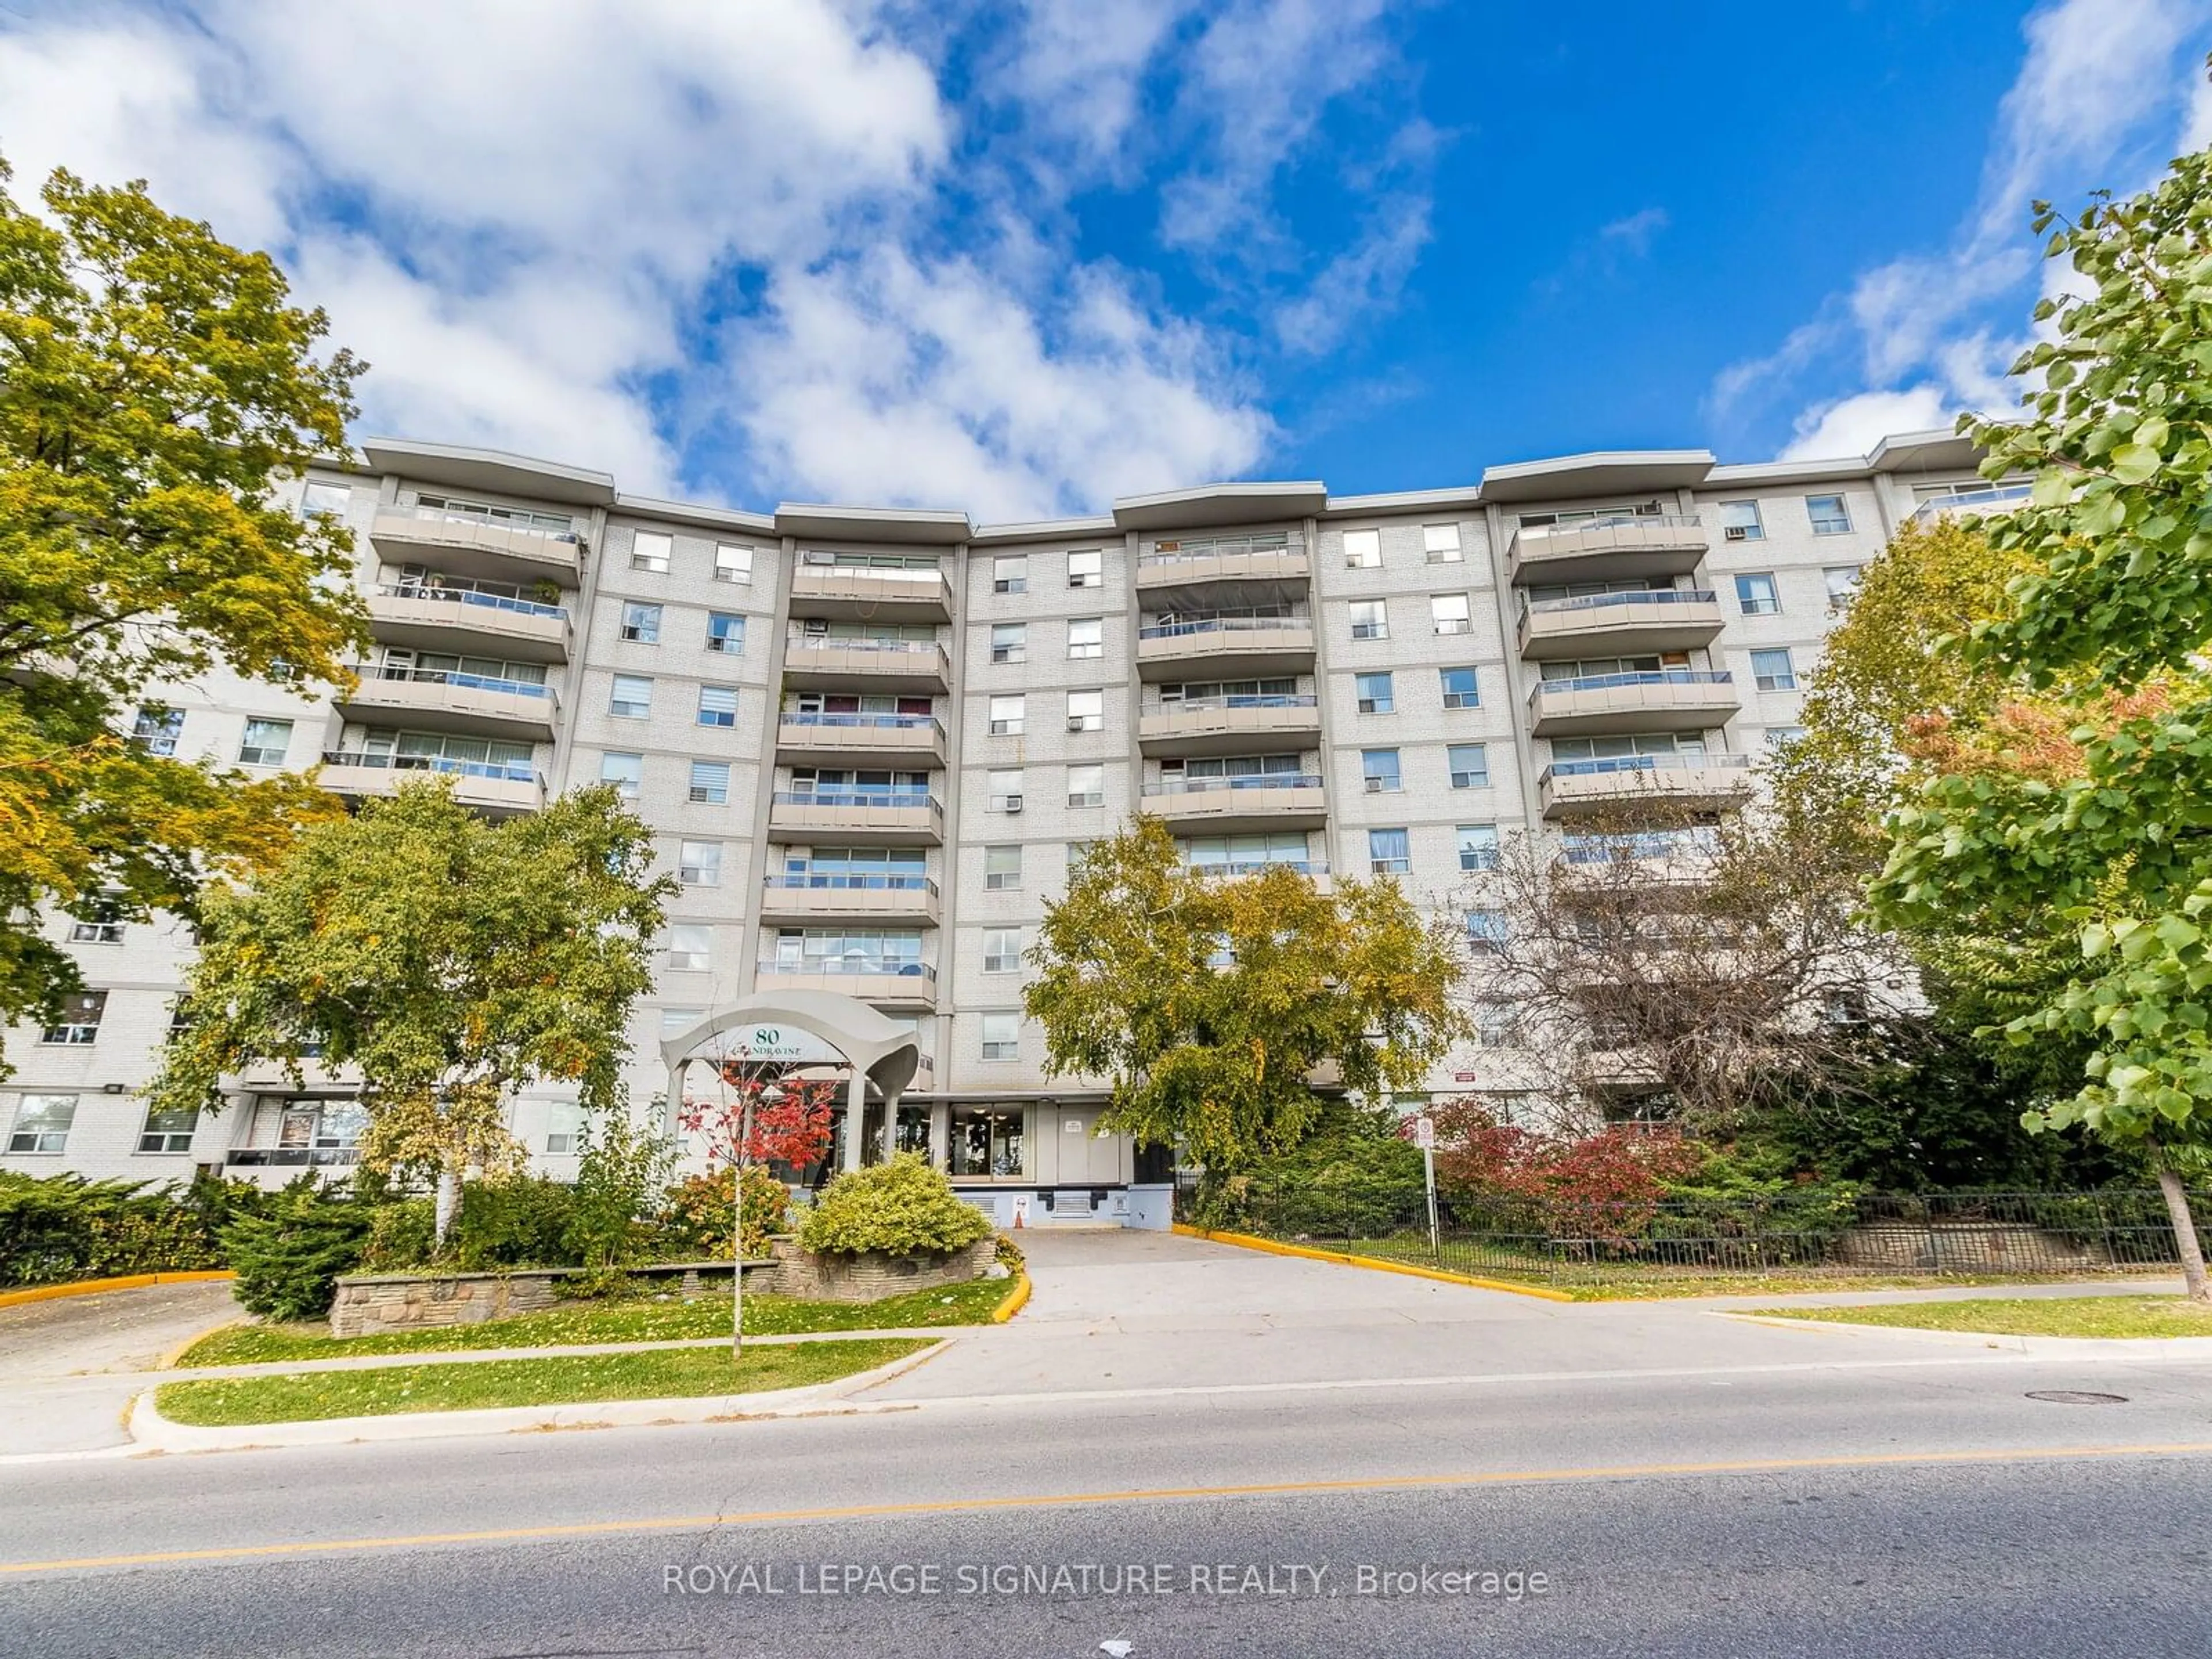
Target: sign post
[1424, 1137]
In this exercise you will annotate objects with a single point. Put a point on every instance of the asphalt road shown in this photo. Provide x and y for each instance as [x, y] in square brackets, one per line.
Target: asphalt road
[1910, 1508]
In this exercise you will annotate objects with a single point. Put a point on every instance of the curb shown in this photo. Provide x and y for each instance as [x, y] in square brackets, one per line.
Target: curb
[167, 1362]
[154, 1433]
[94, 1286]
[2036, 1345]
[1373, 1264]
[1017, 1299]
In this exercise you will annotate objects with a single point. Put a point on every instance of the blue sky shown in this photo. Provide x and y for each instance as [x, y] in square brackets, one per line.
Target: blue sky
[1019, 257]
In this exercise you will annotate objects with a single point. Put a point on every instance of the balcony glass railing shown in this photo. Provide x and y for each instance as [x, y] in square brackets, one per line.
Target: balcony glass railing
[1238, 700]
[868, 722]
[849, 881]
[1185, 629]
[1977, 501]
[927, 575]
[1603, 601]
[291, 1157]
[888, 648]
[1679, 763]
[879, 966]
[1222, 547]
[1537, 533]
[1261, 867]
[384, 671]
[464, 596]
[1208, 785]
[447, 515]
[1623, 682]
[505, 771]
[908, 799]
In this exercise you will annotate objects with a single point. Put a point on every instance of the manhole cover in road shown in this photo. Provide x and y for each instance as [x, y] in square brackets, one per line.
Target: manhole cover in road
[2076, 1397]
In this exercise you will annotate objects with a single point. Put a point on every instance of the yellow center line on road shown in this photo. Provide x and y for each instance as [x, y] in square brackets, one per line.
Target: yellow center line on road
[975, 1505]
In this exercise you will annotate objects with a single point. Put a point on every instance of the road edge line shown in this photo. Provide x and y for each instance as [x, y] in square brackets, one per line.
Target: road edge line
[1373, 1264]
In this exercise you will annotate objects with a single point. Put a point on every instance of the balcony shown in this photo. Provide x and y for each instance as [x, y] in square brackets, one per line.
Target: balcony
[497, 789]
[1668, 699]
[1624, 625]
[828, 665]
[446, 700]
[1228, 726]
[1645, 546]
[1226, 646]
[885, 982]
[1275, 800]
[870, 593]
[451, 619]
[1314, 869]
[1993, 502]
[884, 818]
[1226, 573]
[911, 743]
[405, 535]
[1702, 781]
[818, 896]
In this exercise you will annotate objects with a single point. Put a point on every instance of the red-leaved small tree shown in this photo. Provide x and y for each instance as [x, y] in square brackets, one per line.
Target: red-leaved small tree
[1605, 1186]
[790, 1116]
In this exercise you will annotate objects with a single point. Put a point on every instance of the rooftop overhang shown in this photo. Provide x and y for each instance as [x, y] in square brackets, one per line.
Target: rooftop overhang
[1611, 473]
[1212, 505]
[697, 516]
[1463, 499]
[917, 526]
[491, 472]
[1047, 529]
[1925, 451]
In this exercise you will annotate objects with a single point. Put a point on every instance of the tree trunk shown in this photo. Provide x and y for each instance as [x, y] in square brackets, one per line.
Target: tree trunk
[2184, 1227]
[449, 1200]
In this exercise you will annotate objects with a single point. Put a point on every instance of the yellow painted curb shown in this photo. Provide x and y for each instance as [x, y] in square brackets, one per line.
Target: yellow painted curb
[1245, 1240]
[167, 1362]
[1017, 1299]
[94, 1286]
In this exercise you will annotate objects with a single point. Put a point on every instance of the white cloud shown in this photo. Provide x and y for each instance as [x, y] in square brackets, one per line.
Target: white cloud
[1362, 279]
[1853, 426]
[1635, 233]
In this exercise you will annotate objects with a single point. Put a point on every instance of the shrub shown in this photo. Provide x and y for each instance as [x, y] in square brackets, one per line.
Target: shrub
[1009, 1254]
[697, 1219]
[621, 1167]
[288, 1257]
[903, 1207]
[55, 1229]
[1357, 1179]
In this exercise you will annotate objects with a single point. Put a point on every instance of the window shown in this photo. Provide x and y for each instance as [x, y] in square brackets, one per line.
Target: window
[733, 563]
[1755, 592]
[1450, 613]
[1374, 693]
[103, 926]
[1370, 620]
[1781, 737]
[641, 623]
[80, 1021]
[1773, 670]
[1010, 573]
[691, 946]
[1380, 768]
[1002, 1040]
[986, 1141]
[673, 1020]
[1739, 522]
[1462, 688]
[1389, 852]
[1441, 543]
[42, 1123]
[710, 782]
[1009, 642]
[168, 1129]
[1495, 1026]
[564, 1122]
[649, 550]
[1829, 516]
[324, 501]
[725, 634]
[1004, 788]
[1006, 716]
[1076, 852]
[1086, 711]
[1842, 582]
[631, 697]
[1002, 950]
[1086, 638]
[1478, 846]
[1486, 929]
[265, 743]
[157, 729]
[699, 863]
[1470, 765]
[1362, 548]
[1002, 869]
[718, 705]
[625, 772]
[1086, 785]
[1086, 569]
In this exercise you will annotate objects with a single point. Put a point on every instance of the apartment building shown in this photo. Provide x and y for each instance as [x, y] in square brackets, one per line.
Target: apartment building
[870, 741]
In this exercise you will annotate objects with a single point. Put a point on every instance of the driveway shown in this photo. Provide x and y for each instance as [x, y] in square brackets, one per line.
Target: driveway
[66, 1366]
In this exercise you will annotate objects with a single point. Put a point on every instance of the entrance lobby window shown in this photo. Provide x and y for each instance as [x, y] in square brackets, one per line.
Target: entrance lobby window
[986, 1143]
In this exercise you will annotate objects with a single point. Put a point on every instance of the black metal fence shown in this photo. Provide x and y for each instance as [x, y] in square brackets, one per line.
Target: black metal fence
[1812, 1230]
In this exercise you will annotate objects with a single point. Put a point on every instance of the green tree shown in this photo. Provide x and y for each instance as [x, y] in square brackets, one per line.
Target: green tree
[1209, 1002]
[2107, 830]
[450, 960]
[155, 388]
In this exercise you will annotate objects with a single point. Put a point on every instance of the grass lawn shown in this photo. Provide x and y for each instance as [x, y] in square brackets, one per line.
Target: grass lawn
[613, 1322]
[2064, 1316]
[670, 1373]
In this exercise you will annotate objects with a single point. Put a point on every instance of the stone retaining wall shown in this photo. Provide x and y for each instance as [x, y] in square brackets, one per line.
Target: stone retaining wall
[871, 1276]
[407, 1302]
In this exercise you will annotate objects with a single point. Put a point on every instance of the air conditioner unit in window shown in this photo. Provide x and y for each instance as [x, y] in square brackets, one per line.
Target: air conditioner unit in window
[1736, 532]
[1375, 786]
[1013, 803]
[1075, 723]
